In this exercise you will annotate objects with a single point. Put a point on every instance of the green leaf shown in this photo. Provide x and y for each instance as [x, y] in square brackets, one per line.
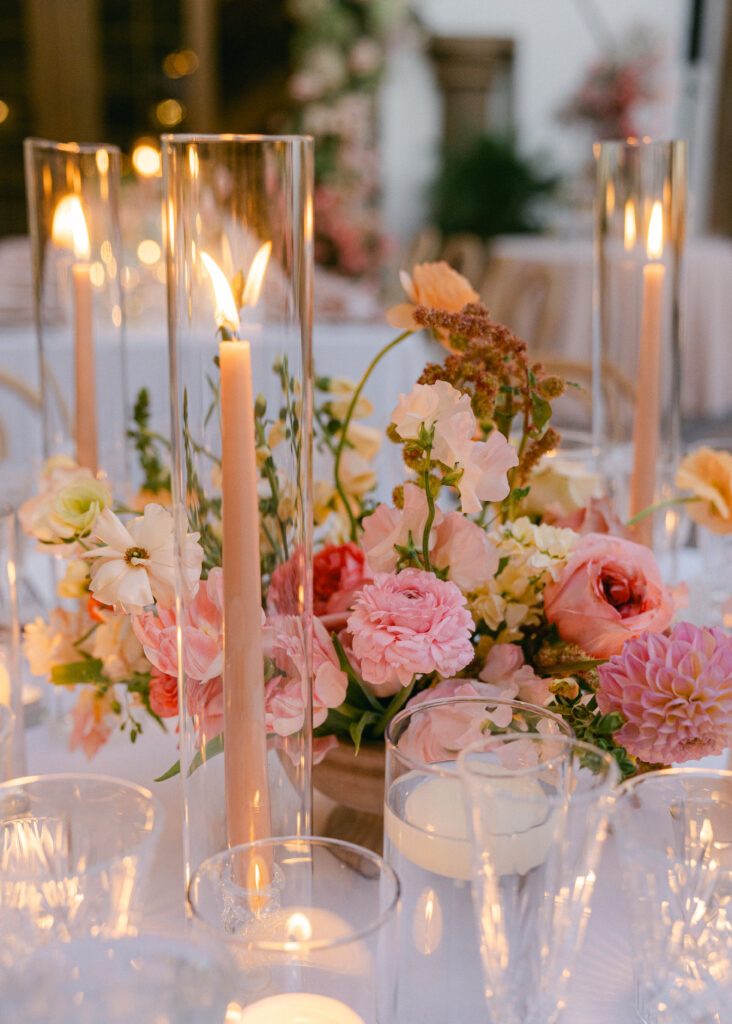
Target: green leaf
[541, 410]
[212, 748]
[356, 729]
[172, 771]
[356, 686]
[91, 670]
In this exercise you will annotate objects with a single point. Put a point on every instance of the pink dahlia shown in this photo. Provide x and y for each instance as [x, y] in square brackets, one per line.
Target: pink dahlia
[408, 623]
[675, 692]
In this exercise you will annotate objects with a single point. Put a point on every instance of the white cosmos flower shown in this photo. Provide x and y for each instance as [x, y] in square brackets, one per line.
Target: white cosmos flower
[137, 565]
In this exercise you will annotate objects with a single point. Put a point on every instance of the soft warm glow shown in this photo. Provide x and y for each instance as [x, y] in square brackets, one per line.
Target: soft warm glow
[102, 161]
[298, 927]
[226, 314]
[170, 112]
[4, 111]
[655, 233]
[69, 228]
[255, 277]
[706, 832]
[180, 63]
[96, 274]
[148, 252]
[630, 232]
[610, 197]
[146, 160]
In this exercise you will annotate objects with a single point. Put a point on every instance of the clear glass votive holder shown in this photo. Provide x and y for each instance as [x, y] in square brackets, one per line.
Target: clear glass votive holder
[674, 833]
[7, 728]
[145, 978]
[75, 852]
[313, 925]
[427, 842]
[538, 808]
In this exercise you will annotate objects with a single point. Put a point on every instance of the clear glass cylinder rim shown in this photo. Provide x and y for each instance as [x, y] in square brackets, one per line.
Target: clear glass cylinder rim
[172, 140]
[438, 767]
[70, 148]
[483, 770]
[675, 772]
[80, 778]
[638, 144]
[298, 946]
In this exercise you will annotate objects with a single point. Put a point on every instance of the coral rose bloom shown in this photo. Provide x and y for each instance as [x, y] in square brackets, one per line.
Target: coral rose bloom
[708, 474]
[610, 590]
[409, 623]
[435, 285]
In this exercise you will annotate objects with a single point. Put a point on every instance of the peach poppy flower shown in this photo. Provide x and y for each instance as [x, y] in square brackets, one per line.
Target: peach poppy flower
[708, 474]
[435, 285]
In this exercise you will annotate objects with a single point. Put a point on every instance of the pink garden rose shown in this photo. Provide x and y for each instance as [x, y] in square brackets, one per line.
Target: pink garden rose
[408, 623]
[675, 692]
[285, 694]
[339, 572]
[609, 591]
[163, 693]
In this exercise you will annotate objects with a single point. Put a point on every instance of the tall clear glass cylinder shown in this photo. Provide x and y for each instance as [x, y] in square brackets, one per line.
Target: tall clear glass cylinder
[238, 227]
[639, 239]
[73, 216]
[11, 680]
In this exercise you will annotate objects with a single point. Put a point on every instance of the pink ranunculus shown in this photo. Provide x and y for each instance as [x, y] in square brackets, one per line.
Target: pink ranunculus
[598, 516]
[506, 669]
[609, 591]
[675, 693]
[202, 633]
[408, 623]
[465, 550]
[285, 694]
[163, 693]
[439, 733]
[387, 527]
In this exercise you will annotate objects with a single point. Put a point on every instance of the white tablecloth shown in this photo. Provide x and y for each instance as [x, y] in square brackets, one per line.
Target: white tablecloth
[602, 987]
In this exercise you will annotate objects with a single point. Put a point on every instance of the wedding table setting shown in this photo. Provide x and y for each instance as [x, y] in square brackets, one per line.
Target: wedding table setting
[371, 696]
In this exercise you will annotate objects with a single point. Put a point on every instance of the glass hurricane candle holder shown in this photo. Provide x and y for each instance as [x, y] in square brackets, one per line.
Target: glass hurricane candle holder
[72, 193]
[11, 682]
[316, 943]
[74, 855]
[538, 808]
[674, 832]
[7, 727]
[639, 240]
[427, 842]
[238, 234]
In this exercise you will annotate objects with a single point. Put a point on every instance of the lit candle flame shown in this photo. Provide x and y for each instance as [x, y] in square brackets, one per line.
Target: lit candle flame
[655, 233]
[298, 928]
[255, 277]
[227, 315]
[69, 227]
[630, 233]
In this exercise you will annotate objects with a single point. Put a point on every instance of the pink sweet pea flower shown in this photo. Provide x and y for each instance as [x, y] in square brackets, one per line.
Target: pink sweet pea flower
[409, 623]
[465, 550]
[506, 670]
[610, 590]
[91, 715]
[388, 527]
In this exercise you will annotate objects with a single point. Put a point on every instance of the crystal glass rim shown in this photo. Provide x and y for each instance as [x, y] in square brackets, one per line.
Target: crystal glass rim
[570, 743]
[437, 767]
[187, 138]
[73, 148]
[300, 945]
[7, 722]
[124, 784]
[679, 772]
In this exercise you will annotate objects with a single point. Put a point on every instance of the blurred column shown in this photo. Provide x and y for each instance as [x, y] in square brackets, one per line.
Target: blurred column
[475, 77]
[64, 68]
[200, 20]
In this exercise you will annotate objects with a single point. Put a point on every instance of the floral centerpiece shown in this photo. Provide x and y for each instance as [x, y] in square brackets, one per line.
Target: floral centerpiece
[460, 584]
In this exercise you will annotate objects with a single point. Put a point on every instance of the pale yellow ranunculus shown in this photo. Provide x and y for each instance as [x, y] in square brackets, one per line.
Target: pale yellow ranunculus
[708, 474]
[77, 506]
